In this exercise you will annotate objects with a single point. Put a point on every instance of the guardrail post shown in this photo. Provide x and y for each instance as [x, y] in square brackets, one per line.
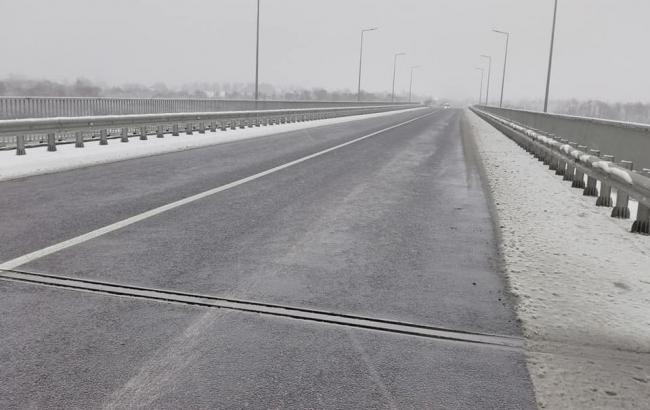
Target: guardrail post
[233, 124]
[642, 223]
[570, 169]
[188, 129]
[102, 137]
[175, 132]
[143, 133]
[124, 133]
[592, 188]
[51, 142]
[223, 125]
[201, 128]
[213, 126]
[160, 132]
[79, 139]
[579, 177]
[622, 210]
[605, 197]
[20, 145]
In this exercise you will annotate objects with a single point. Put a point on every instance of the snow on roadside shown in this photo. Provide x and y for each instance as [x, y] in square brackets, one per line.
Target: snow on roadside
[39, 161]
[581, 279]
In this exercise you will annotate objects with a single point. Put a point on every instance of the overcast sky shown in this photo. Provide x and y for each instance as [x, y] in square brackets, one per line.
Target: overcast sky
[601, 45]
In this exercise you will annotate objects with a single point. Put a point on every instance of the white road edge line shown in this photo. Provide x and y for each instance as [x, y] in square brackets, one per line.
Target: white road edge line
[21, 260]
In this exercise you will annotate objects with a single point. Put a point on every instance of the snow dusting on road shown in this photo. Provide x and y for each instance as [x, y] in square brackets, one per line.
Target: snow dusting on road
[581, 280]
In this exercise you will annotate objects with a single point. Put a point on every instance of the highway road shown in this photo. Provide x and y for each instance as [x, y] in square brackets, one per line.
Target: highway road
[351, 265]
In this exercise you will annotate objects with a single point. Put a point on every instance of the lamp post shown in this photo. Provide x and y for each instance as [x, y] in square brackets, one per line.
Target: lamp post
[480, 91]
[505, 61]
[487, 90]
[392, 98]
[361, 59]
[550, 59]
[411, 81]
[257, 55]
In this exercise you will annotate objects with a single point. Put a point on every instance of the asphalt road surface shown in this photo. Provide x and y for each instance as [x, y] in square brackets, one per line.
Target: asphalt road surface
[364, 276]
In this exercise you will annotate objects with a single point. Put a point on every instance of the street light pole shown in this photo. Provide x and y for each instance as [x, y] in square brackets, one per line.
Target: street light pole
[480, 91]
[361, 59]
[505, 62]
[487, 90]
[550, 59]
[257, 55]
[392, 98]
[411, 81]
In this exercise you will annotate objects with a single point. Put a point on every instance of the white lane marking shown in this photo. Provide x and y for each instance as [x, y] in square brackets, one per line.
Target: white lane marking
[21, 260]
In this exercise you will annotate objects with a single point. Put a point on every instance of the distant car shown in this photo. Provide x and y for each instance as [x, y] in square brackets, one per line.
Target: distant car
[446, 106]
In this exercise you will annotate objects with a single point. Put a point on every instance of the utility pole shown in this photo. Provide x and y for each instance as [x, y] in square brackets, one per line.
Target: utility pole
[257, 56]
[411, 81]
[487, 90]
[550, 59]
[392, 98]
[361, 59]
[480, 91]
[505, 61]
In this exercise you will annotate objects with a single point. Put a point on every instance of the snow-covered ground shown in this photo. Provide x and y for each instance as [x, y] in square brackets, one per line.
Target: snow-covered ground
[581, 280]
[39, 161]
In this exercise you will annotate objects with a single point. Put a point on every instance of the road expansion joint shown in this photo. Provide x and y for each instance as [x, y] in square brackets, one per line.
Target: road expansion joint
[267, 309]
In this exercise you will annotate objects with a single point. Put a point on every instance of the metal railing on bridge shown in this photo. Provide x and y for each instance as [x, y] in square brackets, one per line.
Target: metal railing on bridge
[39, 107]
[578, 148]
[21, 133]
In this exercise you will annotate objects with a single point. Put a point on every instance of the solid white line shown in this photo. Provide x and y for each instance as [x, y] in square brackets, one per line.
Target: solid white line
[21, 260]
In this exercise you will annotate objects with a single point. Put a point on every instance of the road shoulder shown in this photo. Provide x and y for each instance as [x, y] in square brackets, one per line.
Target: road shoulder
[579, 282]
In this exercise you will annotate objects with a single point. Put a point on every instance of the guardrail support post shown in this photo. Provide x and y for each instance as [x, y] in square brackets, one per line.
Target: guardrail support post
[561, 164]
[605, 197]
[592, 188]
[51, 142]
[102, 137]
[188, 129]
[642, 223]
[579, 177]
[213, 126]
[570, 169]
[201, 128]
[143, 133]
[160, 133]
[124, 135]
[79, 139]
[175, 132]
[20, 145]
[622, 210]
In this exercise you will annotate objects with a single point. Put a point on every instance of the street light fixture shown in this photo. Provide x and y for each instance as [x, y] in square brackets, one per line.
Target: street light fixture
[480, 92]
[411, 81]
[487, 90]
[360, 59]
[550, 59]
[505, 61]
[392, 98]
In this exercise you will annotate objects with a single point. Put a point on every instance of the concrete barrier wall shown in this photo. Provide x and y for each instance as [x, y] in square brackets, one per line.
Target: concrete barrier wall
[42, 107]
[625, 141]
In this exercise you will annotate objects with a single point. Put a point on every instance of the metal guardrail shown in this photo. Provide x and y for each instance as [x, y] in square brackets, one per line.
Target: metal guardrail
[575, 162]
[624, 140]
[21, 133]
[47, 107]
